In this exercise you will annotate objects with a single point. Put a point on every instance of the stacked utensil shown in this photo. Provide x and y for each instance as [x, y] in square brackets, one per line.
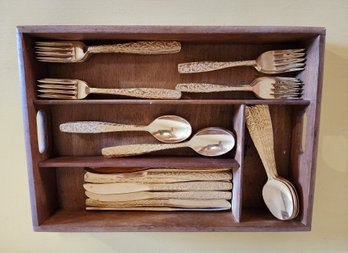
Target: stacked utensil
[179, 189]
[278, 193]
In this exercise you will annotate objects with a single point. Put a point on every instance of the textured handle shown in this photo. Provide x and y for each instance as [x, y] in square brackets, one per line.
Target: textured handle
[182, 203]
[155, 209]
[207, 87]
[138, 149]
[206, 66]
[97, 127]
[160, 195]
[149, 93]
[258, 120]
[156, 177]
[118, 188]
[192, 186]
[140, 169]
[141, 47]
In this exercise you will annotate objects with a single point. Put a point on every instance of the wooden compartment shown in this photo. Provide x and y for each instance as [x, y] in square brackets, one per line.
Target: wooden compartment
[56, 168]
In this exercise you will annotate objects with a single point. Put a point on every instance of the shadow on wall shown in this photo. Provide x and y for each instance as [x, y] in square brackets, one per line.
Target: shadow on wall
[332, 165]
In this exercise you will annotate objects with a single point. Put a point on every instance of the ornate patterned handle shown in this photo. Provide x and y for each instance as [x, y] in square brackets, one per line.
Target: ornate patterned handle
[149, 93]
[207, 87]
[182, 203]
[141, 47]
[194, 195]
[193, 186]
[137, 177]
[258, 121]
[161, 195]
[206, 66]
[97, 127]
[138, 149]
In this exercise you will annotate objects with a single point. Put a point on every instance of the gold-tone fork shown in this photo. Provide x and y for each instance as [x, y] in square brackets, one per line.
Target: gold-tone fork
[75, 51]
[270, 62]
[263, 87]
[77, 89]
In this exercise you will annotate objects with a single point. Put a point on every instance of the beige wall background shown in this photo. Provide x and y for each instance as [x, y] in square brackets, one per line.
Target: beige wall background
[330, 220]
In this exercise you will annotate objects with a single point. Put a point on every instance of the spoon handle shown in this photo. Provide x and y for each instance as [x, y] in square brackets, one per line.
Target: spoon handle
[138, 149]
[97, 127]
[258, 120]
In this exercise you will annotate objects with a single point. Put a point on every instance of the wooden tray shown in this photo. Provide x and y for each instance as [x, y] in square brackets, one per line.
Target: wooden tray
[56, 173]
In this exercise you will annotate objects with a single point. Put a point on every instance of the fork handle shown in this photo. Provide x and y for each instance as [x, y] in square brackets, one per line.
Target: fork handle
[141, 47]
[150, 93]
[206, 66]
[207, 87]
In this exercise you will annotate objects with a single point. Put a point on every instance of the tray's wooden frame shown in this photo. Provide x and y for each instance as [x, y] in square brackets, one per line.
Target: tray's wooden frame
[55, 176]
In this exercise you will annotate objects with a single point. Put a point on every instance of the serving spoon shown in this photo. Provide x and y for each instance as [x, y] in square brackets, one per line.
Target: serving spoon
[211, 141]
[279, 194]
[167, 128]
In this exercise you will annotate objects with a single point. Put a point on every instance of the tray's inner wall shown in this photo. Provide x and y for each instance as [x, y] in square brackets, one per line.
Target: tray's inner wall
[199, 116]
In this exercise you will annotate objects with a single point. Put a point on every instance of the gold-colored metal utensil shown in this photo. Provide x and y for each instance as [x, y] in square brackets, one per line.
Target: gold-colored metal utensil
[270, 62]
[75, 51]
[279, 194]
[263, 87]
[120, 188]
[166, 128]
[176, 203]
[53, 88]
[156, 177]
[161, 195]
[210, 141]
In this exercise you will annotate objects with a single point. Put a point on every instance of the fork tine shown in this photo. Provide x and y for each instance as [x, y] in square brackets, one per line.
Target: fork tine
[290, 66]
[287, 51]
[289, 56]
[54, 59]
[57, 91]
[56, 96]
[292, 70]
[288, 80]
[58, 86]
[283, 62]
[57, 54]
[48, 49]
[58, 81]
[54, 43]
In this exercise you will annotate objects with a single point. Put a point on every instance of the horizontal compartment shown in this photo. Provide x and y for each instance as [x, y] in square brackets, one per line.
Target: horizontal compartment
[160, 71]
[67, 202]
[74, 144]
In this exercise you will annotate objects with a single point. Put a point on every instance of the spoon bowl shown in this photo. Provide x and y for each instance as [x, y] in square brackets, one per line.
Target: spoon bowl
[212, 141]
[170, 129]
[278, 198]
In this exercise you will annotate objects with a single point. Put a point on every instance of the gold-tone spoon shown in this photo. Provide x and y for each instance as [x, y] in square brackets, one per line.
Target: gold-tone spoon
[167, 128]
[279, 195]
[211, 141]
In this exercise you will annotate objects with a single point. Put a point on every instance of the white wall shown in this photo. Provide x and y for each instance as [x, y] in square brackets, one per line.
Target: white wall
[330, 221]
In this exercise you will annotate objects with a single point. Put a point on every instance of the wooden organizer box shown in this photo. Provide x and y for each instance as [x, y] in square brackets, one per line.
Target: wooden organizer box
[56, 168]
